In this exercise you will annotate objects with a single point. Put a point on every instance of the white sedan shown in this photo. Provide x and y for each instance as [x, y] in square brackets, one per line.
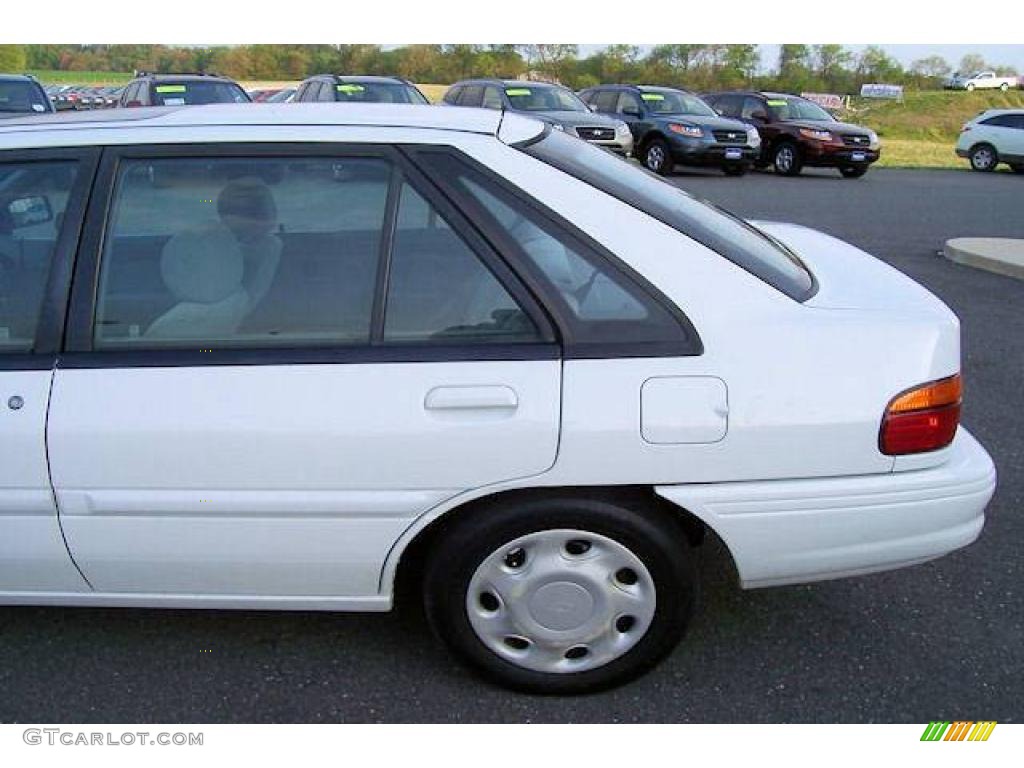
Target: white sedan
[291, 356]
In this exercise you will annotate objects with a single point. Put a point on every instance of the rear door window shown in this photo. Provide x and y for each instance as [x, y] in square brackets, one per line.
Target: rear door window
[234, 253]
[471, 96]
[33, 199]
[606, 101]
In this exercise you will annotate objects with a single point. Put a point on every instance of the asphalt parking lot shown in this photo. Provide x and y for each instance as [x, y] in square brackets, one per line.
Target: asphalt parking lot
[941, 641]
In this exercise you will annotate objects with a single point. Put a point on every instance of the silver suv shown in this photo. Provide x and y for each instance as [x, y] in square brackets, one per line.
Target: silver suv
[559, 107]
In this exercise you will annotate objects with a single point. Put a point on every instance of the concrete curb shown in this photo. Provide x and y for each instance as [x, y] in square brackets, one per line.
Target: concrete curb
[1004, 256]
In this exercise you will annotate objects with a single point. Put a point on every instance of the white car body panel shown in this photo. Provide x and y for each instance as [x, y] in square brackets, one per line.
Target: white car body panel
[301, 486]
[278, 480]
[32, 551]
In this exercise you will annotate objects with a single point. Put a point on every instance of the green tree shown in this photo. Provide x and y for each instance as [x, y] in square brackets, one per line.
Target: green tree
[875, 65]
[971, 63]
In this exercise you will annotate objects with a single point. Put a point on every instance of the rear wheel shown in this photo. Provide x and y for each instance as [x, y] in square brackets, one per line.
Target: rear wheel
[561, 595]
[657, 157]
[984, 158]
[853, 171]
[787, 160]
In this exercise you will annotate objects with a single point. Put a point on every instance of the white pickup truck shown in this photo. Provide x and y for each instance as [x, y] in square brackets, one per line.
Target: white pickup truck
[981, 80]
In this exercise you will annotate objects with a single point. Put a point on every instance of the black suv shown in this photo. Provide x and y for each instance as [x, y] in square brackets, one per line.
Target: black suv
[359, 89]
[21, 95]
[149, 90]
[672, 126]
[554, 104]
[796, 132]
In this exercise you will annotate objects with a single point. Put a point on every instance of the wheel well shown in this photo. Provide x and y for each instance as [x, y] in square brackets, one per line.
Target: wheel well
[649, 137]
[414, 557]
[984, 144]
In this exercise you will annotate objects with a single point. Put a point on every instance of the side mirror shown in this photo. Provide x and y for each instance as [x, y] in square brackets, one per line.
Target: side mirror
[632, 112]
[29, 211]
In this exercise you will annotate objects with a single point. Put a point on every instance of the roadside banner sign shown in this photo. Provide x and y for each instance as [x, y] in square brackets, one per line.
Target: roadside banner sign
[826, 100]
[881, 91]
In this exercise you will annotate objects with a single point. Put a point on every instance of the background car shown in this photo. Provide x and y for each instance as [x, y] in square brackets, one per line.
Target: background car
[671, 126]
[557, 106]
[148, 90]
[21, 95]
[979, 80]
[796, 132]
[993, 137]
[358, 89]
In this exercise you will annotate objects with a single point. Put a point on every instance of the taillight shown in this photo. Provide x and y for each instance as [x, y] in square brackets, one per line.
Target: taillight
[924, 418]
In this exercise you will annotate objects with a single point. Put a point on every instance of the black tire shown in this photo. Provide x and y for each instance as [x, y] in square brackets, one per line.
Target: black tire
[787, 159]
[657, 157]
[984, 158]
[853, 171]
[655, 539]
[735, 170]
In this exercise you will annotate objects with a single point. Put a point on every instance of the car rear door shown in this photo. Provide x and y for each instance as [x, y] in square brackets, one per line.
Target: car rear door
[293, 352]
[42, 200]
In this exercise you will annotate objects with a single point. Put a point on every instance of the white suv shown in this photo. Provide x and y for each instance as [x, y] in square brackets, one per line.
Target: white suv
[993, 137]
[289, 357]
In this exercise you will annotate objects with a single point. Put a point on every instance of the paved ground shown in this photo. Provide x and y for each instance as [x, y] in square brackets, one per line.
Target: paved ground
[941, 641]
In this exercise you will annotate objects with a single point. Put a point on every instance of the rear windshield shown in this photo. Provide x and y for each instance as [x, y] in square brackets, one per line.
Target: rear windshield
[20, 96]
[387, 93]
[722, 232]
[198, 92]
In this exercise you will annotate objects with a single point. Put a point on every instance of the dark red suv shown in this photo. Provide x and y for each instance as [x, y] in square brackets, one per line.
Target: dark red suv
[796, 132]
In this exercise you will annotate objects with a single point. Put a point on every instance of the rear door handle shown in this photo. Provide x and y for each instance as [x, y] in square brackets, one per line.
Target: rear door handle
[471, 398]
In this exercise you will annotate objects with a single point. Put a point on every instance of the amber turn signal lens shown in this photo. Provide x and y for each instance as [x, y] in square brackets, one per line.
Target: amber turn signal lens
[922, 419]
[938, 393]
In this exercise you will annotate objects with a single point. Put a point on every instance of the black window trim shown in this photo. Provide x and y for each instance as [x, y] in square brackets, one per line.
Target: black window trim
[689, 343]
[78, 351]
[54, 305]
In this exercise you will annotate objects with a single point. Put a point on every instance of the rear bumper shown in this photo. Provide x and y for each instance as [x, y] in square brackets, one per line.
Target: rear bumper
[795, 531]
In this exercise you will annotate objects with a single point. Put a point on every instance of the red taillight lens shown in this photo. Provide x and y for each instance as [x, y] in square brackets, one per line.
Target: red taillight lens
[921, 419]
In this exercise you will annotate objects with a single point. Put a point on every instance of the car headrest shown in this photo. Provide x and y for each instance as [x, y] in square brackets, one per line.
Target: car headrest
[204, 266]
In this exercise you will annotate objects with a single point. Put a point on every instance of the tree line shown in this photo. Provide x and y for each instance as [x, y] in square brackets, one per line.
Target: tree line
[824, 68]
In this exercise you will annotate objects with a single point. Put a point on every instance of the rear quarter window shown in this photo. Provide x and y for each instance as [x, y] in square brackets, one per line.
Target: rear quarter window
[713, 227]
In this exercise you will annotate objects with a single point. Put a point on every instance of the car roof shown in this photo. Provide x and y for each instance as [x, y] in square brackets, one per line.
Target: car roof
[20, 78]
[185, 77]
[362, 78]
[482, 121]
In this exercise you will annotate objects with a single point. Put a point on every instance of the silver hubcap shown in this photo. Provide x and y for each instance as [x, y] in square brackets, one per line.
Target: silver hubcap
[784, 159]
[982, 158]
[655, 158]
[561, 601]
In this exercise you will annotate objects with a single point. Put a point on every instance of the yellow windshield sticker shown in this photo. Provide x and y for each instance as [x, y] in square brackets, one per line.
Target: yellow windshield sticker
[518, 91]
[652, 97]
[777, 102]
[170, 89]
[351, 88]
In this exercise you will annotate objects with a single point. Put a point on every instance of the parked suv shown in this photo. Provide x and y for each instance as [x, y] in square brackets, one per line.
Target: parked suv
[488, 361]
[993, 137]
[671, 126]
[796, 132]
[359, 89]
[21, 95]
[149, 90]
[557, 106]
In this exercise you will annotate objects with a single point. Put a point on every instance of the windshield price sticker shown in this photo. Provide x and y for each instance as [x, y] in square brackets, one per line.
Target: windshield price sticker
[652, 97]
[350, 88]
[518, 91]
[170, 89]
